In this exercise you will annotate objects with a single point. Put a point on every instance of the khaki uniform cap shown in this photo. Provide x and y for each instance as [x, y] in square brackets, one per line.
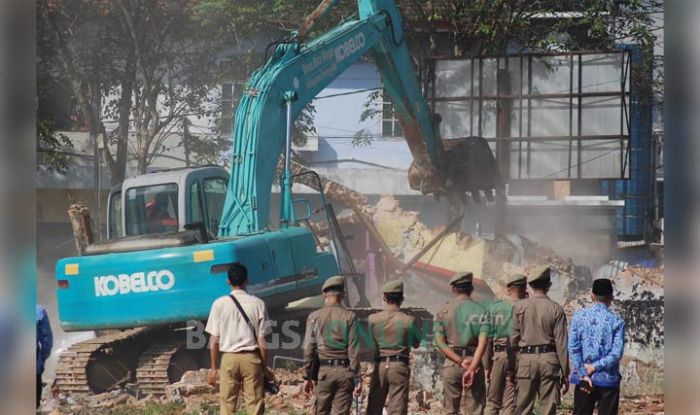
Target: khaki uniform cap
[393, 287]
[461, 277]
[337, 282]
[517, 279]
[539, 273]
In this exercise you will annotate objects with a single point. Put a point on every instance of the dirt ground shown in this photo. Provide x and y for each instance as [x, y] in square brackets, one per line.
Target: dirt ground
[193, 396]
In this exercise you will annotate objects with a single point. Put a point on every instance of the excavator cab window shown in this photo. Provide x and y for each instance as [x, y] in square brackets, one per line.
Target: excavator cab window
[151, 209]
[115, 215]
[195, 211]
[214, 195]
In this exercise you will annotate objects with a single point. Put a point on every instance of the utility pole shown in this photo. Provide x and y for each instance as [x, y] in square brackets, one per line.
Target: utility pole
[95, 123]
[503, 142]
[186, 139]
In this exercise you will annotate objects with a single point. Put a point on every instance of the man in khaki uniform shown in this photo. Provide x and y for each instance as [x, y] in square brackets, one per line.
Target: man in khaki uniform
[461, 333]
[331, 338]
[539, 332]
[243, 356]
[500, 395]
[393, 332]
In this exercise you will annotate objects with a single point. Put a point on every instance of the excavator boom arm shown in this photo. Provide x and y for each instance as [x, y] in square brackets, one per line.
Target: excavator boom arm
[302, 71]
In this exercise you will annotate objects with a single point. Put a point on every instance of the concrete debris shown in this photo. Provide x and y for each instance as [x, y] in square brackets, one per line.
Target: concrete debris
[134, 390]
[193, 382]
[334, 191]
[341, 194]
[639, 291]
[291, 399]
[492, 261]
[108, 399]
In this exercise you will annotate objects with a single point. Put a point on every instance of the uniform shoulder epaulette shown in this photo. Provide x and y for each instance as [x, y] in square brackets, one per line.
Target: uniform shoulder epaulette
[444, 309]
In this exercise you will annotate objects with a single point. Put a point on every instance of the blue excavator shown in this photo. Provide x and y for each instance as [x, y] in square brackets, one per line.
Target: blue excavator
[172, 234]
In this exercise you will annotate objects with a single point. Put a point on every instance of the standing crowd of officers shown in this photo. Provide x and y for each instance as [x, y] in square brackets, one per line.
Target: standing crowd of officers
[503, 357]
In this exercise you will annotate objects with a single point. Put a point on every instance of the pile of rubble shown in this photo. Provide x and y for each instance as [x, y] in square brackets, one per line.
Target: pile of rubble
[639, 291]
[490, 260]
[192, 395]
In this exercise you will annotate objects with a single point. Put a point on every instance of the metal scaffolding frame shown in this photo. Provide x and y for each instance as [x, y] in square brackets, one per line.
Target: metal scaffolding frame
[576, 97]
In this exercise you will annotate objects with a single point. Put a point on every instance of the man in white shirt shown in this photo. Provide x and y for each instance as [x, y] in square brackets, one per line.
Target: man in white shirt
[243, 355]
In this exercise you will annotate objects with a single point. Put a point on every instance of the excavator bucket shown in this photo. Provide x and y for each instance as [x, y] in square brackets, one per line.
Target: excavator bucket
[467, 167]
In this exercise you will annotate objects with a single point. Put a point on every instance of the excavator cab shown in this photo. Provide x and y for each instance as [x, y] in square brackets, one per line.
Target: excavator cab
[167, 202]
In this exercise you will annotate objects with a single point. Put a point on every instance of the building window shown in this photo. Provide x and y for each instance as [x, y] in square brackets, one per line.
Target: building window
[390, 123]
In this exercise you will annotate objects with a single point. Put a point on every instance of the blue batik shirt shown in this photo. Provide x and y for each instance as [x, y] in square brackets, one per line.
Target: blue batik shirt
[597, 337]
[44, 338]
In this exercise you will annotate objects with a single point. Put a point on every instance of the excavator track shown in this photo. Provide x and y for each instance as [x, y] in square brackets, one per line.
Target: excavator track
[152, 356]
[92, 365]
[162, 364]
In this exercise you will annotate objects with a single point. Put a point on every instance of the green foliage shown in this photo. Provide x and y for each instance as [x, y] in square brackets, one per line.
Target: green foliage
[494, 27]
[371, 106]
[240, 24]
[247, 25]
[120, 58]
[209, 149]
[51, 147]
[304, 125]
[362, 138]
[297, 412]
[371, 110]
[150, 409]
[145, 63]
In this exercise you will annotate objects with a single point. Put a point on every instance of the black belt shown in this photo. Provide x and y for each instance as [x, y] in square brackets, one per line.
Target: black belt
[335, 362]
[499, 348]
[464, 351]
[540, 348]
[395, 358]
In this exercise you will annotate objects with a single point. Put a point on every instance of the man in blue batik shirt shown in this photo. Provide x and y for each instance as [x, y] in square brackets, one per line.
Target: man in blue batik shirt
[44, 343]
[596, 343]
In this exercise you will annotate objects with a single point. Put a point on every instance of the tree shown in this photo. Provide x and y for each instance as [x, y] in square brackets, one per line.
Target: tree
[174, 59]
[51, 147]
[53, 113]
[252, 27]
[492, 27]
[72, 45]
[144, 63]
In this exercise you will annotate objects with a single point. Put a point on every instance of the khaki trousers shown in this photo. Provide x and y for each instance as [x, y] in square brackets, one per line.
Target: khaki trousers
[538, 374]
[334, 390]
[500, 395]
[241, 371]
[389, 385]
[473, 399]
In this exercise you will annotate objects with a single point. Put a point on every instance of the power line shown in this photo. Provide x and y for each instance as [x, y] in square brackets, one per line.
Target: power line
[354, 160]
[580, 164]
[342, 94]
[53, 248]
